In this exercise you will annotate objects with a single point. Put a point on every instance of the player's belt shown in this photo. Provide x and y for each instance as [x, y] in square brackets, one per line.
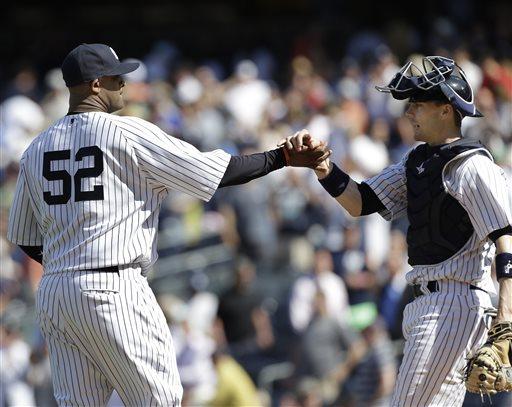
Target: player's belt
[433, 287]
[112, 269]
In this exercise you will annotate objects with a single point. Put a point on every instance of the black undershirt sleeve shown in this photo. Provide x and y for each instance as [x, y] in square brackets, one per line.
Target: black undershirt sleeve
[507, 230]
[244, 168]
[370, 202]
[34, 252]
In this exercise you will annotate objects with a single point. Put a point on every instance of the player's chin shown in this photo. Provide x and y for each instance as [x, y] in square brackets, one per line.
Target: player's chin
[418, 134]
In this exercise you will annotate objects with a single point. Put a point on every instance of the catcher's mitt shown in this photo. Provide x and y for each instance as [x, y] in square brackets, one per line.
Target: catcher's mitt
[489, 370]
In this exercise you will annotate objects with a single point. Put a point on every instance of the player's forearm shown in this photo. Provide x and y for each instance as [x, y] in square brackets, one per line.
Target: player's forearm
[357, 199]
[350, 199]
[341, 187]
[504, 246]
[242, 169]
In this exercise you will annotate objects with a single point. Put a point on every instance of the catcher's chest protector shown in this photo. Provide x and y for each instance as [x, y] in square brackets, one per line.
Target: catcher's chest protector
[439, 225]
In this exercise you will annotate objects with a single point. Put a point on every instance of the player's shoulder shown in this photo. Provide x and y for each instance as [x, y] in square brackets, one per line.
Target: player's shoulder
[39, 141]
[474, 158]
[471, 163]
[135, 124]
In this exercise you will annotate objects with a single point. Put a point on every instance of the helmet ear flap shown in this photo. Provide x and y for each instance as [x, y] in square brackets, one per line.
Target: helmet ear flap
[460, 94]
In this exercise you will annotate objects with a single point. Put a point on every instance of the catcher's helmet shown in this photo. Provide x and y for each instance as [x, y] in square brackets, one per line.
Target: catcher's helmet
[437, 81]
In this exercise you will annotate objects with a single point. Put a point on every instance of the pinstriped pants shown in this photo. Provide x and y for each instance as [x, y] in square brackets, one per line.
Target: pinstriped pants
[440, 330]
[106, 331]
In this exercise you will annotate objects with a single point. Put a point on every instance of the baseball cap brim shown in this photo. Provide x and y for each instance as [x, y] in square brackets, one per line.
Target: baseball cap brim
[123, 68]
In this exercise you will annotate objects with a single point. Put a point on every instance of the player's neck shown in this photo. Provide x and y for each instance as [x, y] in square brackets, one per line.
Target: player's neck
[446, 136]
[444, 141]
[87, 104]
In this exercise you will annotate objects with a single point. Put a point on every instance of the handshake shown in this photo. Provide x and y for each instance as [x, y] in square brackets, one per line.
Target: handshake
[301, 150]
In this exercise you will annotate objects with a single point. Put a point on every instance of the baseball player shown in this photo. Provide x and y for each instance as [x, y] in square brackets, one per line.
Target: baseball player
[86, 206]
[458, 204]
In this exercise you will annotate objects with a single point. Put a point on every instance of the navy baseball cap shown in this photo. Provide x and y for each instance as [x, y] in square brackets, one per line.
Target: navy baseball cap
[91, 61]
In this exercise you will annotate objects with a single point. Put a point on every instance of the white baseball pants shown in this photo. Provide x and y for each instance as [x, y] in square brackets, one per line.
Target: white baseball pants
[441, 329]
[105, 331]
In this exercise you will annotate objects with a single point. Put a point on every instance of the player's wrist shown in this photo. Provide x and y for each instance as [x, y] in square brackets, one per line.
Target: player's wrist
[335, 182]
[285, 155]
[504, 314]
[324, 169]
[503, 263]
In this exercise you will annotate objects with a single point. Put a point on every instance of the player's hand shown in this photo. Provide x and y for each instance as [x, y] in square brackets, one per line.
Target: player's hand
[307, 156]
[301, 150]
[301, 140]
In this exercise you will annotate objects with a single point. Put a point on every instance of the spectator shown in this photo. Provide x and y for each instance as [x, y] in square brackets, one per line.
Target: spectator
[15, 357]
[247, 209]
[330, 350]
[21, 120]
[55, 102]
[245, 322]
[247, 97]
[194, 350]
[305, 288]
[373, 379]
[352, 267]
[234, 386]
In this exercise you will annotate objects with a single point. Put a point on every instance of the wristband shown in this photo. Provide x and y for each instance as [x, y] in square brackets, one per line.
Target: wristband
[503, 265]
[336, 182]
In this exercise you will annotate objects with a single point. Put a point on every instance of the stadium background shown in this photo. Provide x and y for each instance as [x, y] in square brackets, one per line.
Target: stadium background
[239, 76]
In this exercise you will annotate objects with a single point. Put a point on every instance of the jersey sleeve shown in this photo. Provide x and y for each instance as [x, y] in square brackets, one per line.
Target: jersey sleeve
[174, 163]
[483, 190]
[23, 228]
[390, 186]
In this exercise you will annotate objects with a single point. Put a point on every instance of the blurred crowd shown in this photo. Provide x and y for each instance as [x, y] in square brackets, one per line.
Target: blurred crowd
[310, 312]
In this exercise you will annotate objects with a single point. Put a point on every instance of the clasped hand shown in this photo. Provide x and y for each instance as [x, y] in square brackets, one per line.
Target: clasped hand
[304, 151]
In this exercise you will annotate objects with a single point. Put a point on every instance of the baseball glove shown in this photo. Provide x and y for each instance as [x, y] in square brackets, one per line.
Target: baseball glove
[489, 370]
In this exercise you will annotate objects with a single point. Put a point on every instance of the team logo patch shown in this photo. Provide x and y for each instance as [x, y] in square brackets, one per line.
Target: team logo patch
[508, 268]
[420, 168]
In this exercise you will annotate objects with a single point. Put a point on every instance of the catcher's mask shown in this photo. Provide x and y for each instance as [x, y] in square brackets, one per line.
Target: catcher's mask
[441, 79]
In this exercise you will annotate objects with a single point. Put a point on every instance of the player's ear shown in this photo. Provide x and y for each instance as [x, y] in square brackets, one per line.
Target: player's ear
[95, 86]
[447, 111]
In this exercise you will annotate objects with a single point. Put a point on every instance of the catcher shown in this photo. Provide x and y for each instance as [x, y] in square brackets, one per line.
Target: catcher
[458, 204]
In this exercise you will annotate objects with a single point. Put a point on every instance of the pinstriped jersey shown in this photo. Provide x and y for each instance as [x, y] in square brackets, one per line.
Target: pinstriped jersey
[482, 189]
[90, 189]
